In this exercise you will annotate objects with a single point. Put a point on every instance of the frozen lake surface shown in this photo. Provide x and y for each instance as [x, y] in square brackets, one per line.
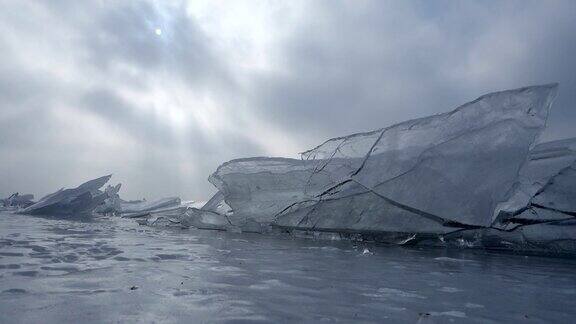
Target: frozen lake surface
[113, 270]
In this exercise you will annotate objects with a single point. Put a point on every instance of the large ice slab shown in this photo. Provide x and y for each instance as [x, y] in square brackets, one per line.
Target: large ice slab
[259, 188]
[431, 175]
[83, 199]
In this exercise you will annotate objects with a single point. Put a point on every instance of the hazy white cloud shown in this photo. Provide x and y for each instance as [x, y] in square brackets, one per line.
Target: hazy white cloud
[161, 92]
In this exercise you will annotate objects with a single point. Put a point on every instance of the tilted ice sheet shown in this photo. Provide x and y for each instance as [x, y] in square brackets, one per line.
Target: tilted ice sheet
[82, 199]
[217, 204]
[432, 174]
[112, 203]
[59, 271]
[458, 165]
[546, 192]
[146, 206]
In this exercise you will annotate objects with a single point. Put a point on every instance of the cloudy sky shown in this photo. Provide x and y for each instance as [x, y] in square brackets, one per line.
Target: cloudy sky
[159, 93]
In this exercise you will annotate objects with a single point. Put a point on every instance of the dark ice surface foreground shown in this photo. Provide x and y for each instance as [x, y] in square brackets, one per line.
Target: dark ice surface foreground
[112, 270]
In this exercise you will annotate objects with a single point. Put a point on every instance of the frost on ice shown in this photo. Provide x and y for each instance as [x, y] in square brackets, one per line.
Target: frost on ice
[471, 169]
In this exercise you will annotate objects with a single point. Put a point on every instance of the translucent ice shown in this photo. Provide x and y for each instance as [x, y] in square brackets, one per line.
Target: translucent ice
[541, 213]
[471, 177]
[112, 203]
[204, 219]
[80, 200]
[431, 175]
[147, 206]
[547, 161]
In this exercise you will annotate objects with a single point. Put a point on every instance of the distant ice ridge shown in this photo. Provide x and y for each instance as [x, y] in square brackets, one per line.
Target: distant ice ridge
[463, 176]
[87, 199]
[80, 200]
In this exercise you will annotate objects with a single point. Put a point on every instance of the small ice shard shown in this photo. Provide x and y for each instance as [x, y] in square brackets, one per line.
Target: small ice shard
[17, 200]
[147, 206]
[252, 226]
[545, 162]
[172, 212]
[193, 203]
[452, 313]
[83, 199]
[432, 175]
[217, 204]
[175, 215]
[366, 252]
[112, 203]
[205, 219]
[215, 215]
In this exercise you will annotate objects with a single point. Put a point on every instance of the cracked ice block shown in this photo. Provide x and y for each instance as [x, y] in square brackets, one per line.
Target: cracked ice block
[433, 174]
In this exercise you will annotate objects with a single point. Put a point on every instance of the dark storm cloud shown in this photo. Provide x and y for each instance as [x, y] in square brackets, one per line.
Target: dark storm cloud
[126, 33]
[354, 69]
[87, 87]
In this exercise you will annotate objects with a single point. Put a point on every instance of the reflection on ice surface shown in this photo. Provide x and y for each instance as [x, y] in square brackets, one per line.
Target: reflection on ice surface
[112, 270]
